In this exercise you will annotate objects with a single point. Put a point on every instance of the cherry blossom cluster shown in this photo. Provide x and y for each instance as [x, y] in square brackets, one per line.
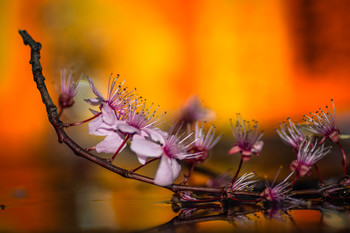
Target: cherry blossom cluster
[124, 118]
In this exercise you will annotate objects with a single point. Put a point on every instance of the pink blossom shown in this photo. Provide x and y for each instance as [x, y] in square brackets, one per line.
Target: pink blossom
[140, 120]
[193, 111]
[68, 89]
[308, 154]
[204, 142]
[247, 138]
[276, 193]
[113, 139]
[118, 98]
[323, 123]
[290, 134]
[111, 109]
[172, 148]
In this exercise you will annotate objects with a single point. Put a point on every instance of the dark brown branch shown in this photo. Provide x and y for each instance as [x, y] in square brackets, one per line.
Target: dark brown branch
[53, 117]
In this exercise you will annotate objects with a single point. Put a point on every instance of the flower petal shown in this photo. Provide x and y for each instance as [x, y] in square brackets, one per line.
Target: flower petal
[110, 144]
[142, 159]
[175, 167]
[304, 170]
[108, 114]
[94, 125]
[142, 146]
[156, 134]
[94, 101]
[234, 150]
[258, 147]
[294, 165]
[164, 175]
[126, 128]
[94, 90]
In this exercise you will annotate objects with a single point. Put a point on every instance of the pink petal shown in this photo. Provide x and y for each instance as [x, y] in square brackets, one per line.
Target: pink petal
[175, 167]
[246, 156]
[156, 134]
[142, 146]
[126, 128]
[164, 175]
[94, 90]
[304, 170]
[108, 114]
[94, 101]
[142, 159]
[294, 165]
[98, 127]
[234, 150]
[94, 111]
[110, 144]
[258, 147]
[94, 125]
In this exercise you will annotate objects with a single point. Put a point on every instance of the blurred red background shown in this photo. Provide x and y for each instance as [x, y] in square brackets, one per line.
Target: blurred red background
[267, 61]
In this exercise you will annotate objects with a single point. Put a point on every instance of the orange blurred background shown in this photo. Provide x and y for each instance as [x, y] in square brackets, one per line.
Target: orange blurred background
[267, 61]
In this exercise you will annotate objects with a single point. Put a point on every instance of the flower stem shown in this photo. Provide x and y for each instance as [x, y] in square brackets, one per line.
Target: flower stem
[187, 177]
[344, 157]
[295, 180]
[81, 122]
[120, 147]
[319, 174]
[60, 112]
[91, 149]
[237, 172]
[141, 166]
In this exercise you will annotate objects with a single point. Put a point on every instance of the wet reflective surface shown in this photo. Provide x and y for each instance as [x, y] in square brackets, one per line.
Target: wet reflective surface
[55, 191]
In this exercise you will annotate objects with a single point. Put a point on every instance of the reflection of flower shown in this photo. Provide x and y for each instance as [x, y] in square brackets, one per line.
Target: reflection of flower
[193, 111]
[247, 138]
[173, 148]
[308, 154]
[203, 143]
[68, 90]
[323, 123]
[290, 134]
[241, 220]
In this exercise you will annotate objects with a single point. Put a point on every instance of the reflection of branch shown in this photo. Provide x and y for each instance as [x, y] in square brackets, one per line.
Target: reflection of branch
[241, 214]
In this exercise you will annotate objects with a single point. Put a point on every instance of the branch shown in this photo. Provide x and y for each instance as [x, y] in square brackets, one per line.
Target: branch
[53, 117]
